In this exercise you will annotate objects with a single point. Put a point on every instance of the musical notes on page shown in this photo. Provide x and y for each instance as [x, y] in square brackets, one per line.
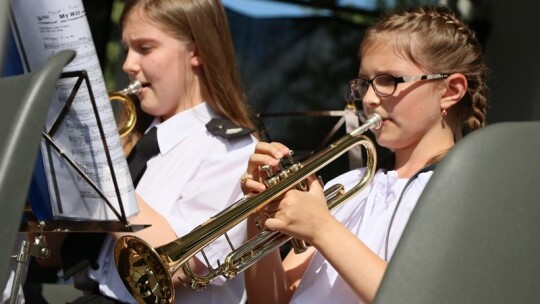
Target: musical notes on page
[87, 133]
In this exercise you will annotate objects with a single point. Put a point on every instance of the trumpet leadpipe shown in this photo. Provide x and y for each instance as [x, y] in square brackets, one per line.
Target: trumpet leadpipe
[147, 271]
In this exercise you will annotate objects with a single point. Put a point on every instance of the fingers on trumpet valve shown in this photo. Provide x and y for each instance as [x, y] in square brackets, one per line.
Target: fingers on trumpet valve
[263, 163]
[269, 154]
[260, 219]
[275, 150]
[269, 211]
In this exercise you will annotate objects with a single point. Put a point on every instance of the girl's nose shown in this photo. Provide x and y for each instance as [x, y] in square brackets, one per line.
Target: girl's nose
[371, 100]
[130, 66]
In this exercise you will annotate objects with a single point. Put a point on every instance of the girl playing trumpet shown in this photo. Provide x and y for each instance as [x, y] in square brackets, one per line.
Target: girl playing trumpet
[423, 72]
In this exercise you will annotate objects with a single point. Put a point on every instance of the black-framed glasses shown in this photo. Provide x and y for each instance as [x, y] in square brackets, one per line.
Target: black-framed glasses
[385, 84]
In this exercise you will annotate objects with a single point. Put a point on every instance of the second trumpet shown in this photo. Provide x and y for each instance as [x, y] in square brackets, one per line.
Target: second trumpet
[123, 107]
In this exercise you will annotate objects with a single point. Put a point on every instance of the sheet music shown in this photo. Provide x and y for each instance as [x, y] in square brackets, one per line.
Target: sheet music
[45, 27]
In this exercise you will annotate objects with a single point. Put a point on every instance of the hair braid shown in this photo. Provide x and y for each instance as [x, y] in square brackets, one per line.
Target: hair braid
[437, 40]
[475, 108]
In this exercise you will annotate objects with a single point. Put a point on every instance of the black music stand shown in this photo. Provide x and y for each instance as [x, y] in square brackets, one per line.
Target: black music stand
[24, 102]
[121, 225]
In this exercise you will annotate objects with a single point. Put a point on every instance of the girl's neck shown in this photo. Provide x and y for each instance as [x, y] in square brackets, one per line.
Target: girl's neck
[429, 148]
[406, 169]
[411, 160]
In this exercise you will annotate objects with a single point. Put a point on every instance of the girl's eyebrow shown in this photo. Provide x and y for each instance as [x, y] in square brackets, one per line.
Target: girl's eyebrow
[138, 40]
[380, 72]
[362, 75]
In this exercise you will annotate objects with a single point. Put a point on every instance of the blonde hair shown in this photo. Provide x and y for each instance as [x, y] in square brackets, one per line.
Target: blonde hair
[436, 39]
[204, 23]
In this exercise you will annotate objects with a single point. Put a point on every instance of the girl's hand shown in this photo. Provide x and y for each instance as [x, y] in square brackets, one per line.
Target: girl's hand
[265, 154]
[300, 214]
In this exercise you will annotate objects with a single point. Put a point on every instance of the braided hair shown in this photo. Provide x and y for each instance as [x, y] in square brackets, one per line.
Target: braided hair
[439, 41]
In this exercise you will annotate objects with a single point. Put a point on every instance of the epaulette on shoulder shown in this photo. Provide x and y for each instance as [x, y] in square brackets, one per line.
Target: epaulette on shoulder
[226, 128]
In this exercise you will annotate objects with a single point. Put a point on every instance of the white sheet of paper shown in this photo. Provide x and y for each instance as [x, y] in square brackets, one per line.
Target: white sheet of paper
[44, 27]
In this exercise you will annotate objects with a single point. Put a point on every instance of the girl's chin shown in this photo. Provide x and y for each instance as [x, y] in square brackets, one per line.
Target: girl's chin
[149, 109]
[385, 141]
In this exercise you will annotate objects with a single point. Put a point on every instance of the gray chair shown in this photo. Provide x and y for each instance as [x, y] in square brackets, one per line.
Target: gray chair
[474, 236]
[24, 101]
[4, 5]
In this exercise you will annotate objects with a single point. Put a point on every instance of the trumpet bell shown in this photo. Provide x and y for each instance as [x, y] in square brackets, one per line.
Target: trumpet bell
[123, 107]
[147, 271]
[124, 112]
[144, 274]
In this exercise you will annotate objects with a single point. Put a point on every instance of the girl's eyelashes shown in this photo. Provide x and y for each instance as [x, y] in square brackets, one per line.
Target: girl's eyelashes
[144, 49]
[137, 46]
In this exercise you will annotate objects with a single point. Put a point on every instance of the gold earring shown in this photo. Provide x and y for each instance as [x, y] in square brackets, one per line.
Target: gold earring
[444, 113]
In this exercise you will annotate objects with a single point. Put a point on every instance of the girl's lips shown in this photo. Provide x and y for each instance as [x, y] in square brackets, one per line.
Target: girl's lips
[143, 88]
[383, 118]
[385, 121]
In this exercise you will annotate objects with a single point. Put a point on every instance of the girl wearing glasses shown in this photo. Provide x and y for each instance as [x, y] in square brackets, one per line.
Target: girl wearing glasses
[423, 72]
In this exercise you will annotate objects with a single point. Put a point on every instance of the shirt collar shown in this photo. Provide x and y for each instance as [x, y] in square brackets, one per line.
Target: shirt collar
[175, 129]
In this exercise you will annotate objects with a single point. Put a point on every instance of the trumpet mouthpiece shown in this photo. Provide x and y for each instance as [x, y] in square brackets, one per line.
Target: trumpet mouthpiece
[133, 88]
[374, 121]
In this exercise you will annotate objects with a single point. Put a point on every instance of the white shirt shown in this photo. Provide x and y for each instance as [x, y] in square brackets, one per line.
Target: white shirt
[195, 176]
[367, 214]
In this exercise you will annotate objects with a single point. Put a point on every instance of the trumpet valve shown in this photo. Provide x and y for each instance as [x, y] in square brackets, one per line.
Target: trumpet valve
[290, 157]
[271, 179]
[294, 167]
[283, 174]
[299, 246]
[268, 170]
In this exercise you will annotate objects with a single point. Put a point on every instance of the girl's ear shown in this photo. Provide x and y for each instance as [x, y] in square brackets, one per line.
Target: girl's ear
[194, 57]
[456, 87]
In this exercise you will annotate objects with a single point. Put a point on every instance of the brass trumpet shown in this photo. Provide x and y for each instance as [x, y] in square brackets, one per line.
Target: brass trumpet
[147, 271]
[124, 110]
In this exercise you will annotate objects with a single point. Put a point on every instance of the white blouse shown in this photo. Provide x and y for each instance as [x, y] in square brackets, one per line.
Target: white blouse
[368, 215]
[195, 176]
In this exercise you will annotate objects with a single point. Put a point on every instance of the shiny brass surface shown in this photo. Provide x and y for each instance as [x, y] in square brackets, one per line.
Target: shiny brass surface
[124, 110]
[147, 271]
